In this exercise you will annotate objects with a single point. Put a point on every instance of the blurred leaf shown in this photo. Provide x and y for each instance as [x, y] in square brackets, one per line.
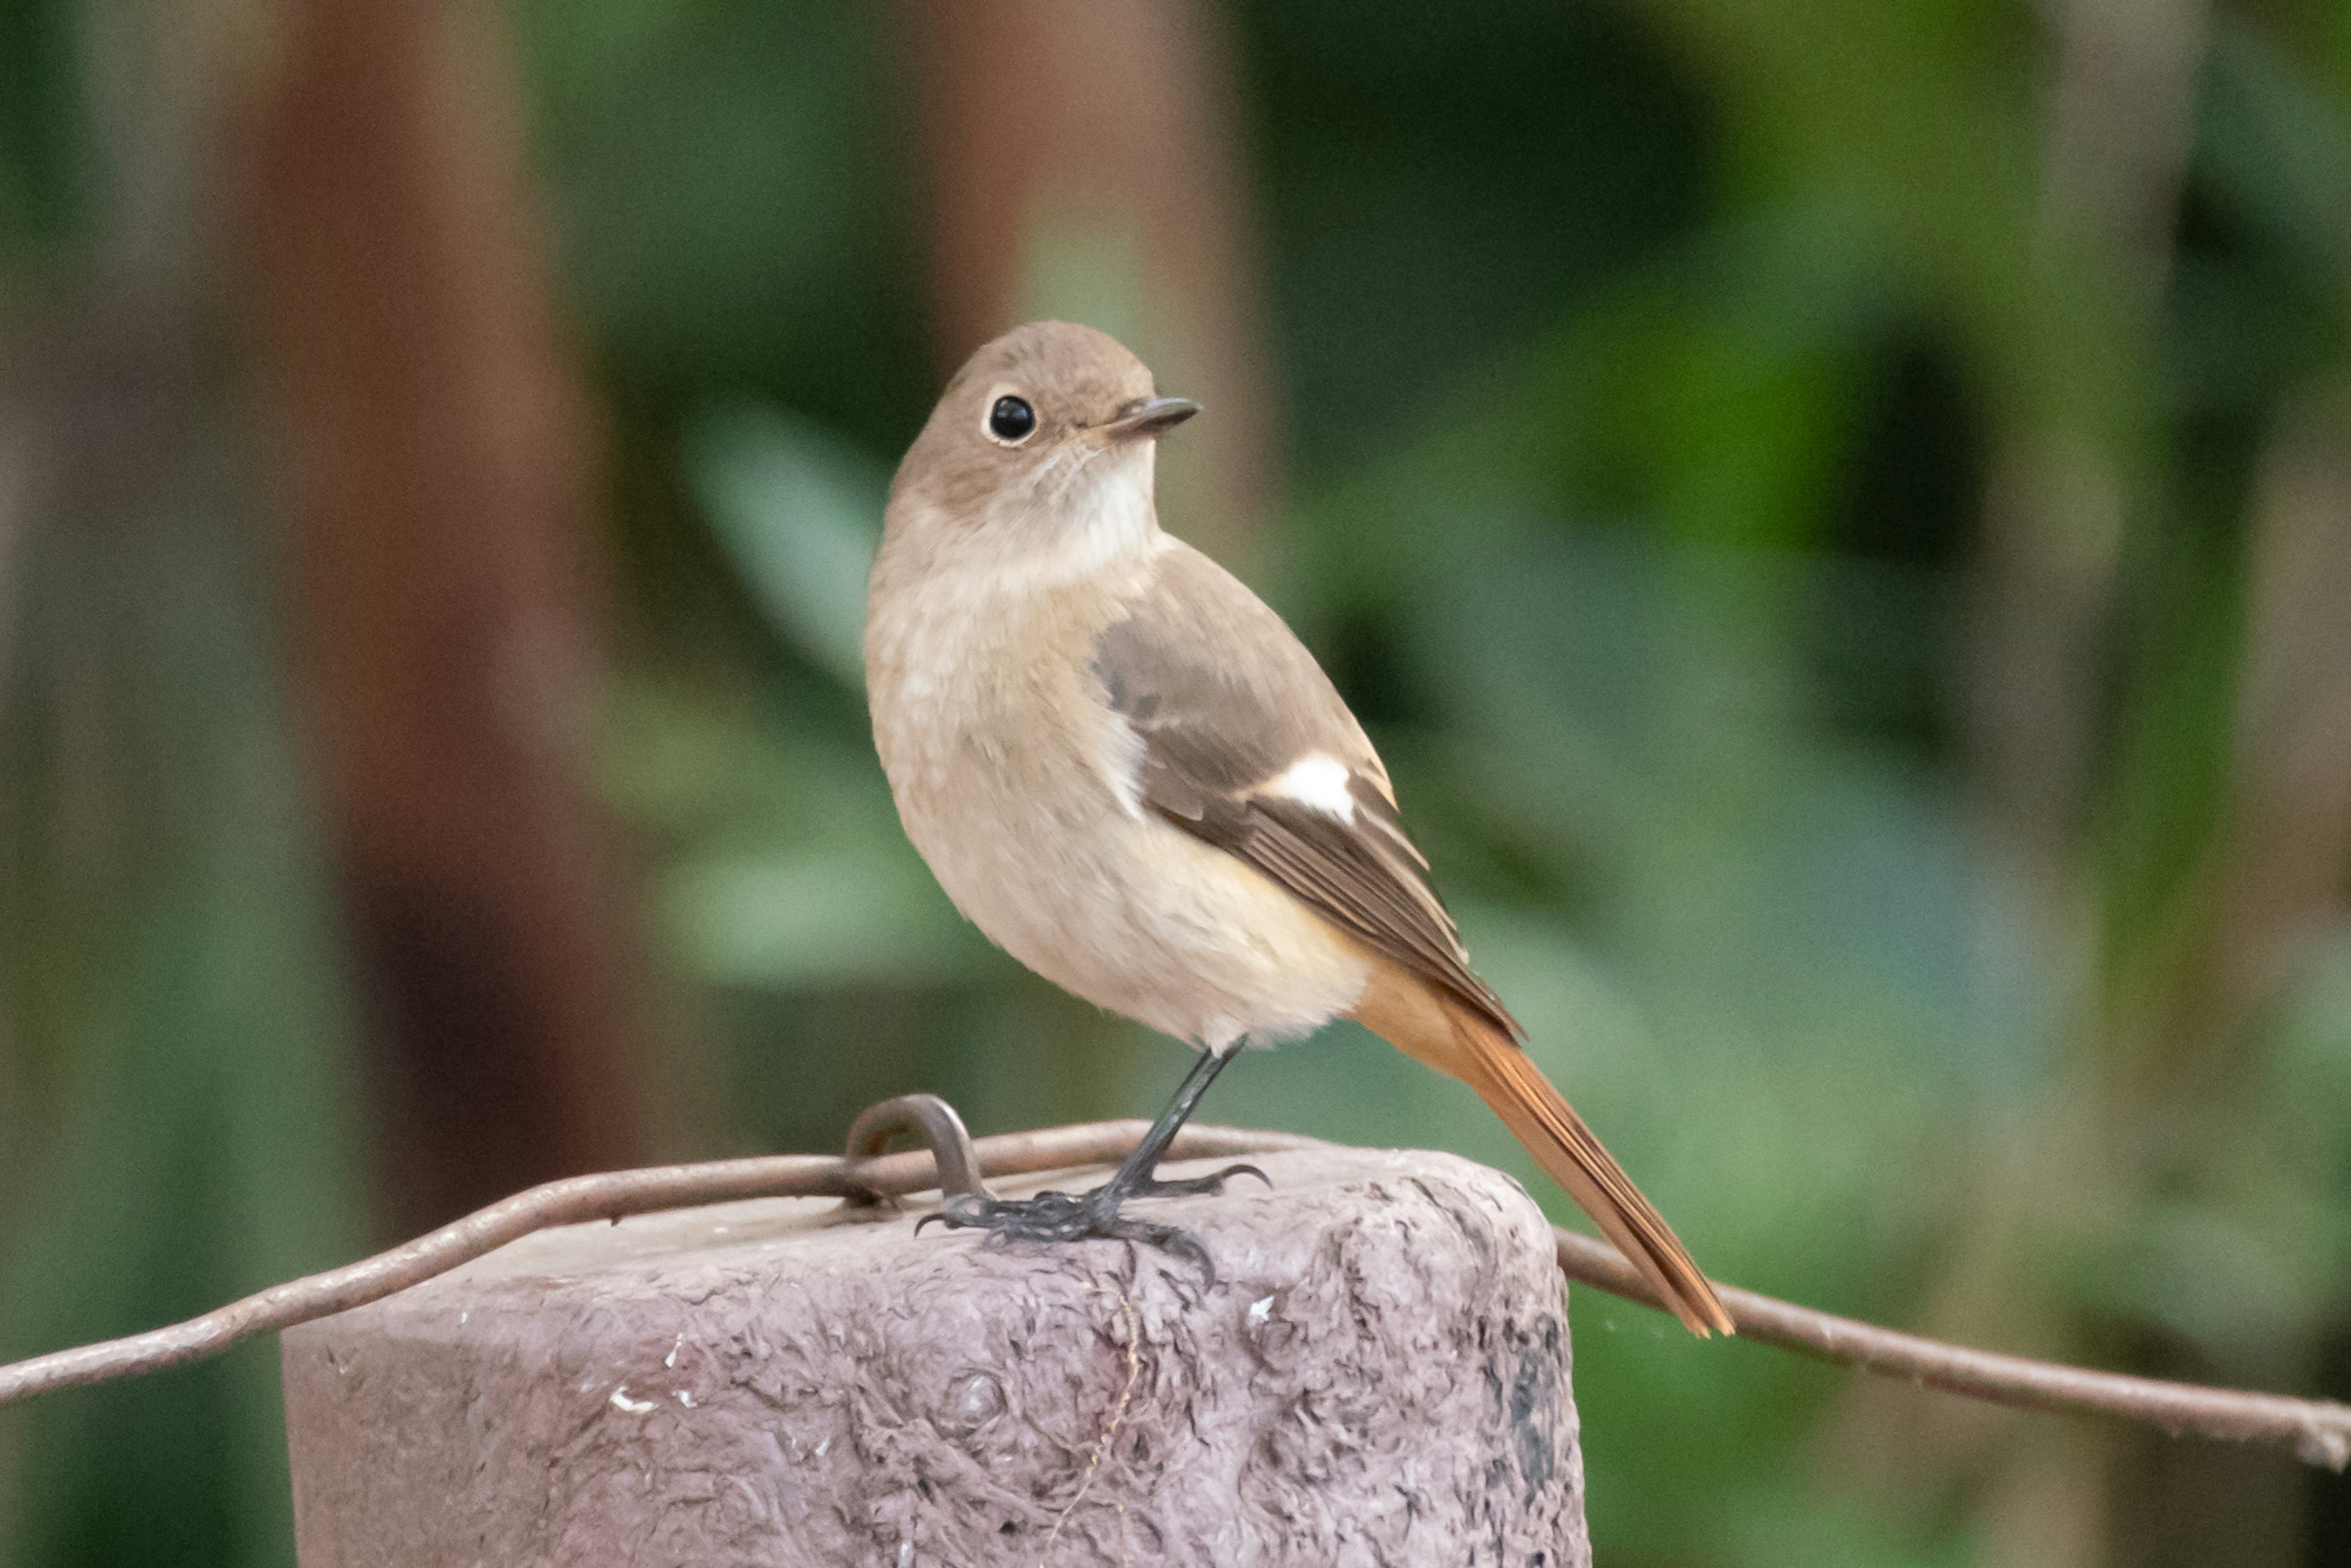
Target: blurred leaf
[799, 513]
[2278, 145]
[787, 868]
[799, 922]
[731, 197]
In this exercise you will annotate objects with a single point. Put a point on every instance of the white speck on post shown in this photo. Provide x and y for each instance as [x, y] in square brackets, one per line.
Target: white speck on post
[621, 1401]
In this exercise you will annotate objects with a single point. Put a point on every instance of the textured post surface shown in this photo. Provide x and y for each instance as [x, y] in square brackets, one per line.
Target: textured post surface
[1380, 1375]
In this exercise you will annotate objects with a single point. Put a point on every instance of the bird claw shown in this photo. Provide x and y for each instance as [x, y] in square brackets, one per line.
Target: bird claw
[1060, 1216]
[1198, 1187]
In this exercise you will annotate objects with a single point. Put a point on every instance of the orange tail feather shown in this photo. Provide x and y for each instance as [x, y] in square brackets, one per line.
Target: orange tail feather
[1459, 1044]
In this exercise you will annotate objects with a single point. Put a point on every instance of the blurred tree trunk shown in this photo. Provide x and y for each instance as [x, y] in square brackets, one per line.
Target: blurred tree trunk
[442, 544]
[2284, 868]
[1084, 160]
[2276, 875]
[2065, 483]
[2118, 120]
[2058, 502]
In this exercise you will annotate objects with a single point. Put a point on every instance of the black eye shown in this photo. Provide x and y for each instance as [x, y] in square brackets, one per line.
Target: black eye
[1011, 419]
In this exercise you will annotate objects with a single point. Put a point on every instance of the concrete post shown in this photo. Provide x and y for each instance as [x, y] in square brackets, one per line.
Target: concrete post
[1380, 1375]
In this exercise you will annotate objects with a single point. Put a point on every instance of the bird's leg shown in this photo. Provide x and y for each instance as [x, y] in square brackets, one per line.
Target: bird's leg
[1136, 1178]
[1089, 1216]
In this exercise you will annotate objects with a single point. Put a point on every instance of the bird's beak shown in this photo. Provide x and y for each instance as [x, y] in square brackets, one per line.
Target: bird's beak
[1149, 417]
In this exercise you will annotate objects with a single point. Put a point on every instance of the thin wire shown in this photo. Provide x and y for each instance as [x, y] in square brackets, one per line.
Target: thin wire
[575, 1200]
[2319, 1431]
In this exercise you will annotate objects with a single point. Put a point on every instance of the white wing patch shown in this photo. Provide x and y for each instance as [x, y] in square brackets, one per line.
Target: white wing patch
[1318, 783]
[1118, 757]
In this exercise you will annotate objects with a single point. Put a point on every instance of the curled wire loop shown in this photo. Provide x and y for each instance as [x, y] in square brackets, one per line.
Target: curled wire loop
[934, 1120]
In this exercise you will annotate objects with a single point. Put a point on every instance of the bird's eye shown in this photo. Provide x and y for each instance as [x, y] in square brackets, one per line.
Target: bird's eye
[1011, 420]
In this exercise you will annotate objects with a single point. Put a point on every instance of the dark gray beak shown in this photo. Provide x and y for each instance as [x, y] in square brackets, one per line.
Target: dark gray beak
[1151, 417]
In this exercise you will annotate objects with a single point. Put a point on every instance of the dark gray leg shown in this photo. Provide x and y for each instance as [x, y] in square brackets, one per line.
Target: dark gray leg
[1094, 1216]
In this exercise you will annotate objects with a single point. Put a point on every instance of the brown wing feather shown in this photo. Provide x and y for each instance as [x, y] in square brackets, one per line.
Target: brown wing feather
[1360, 882]
[1225, 700]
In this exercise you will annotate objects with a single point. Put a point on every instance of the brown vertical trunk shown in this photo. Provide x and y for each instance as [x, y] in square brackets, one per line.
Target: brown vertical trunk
[2061, 491]
[1083, 160]
[442, 572]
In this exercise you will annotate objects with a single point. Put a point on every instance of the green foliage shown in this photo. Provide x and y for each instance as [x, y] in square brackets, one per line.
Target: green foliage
[180, 1111]
[41, 124]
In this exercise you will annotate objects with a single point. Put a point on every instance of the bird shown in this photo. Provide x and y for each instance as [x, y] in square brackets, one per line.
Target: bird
[1132, 776]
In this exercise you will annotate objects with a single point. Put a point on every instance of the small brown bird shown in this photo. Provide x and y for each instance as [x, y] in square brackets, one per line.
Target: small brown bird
[1129, 773]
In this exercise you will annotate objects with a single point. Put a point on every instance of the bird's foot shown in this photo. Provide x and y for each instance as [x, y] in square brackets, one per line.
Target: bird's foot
[1092, 1217]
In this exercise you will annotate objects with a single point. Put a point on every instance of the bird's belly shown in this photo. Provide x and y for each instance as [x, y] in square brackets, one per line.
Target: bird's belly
[1129, 912]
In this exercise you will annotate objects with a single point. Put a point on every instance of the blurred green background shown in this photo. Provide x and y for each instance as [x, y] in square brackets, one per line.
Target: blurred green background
[1838, 516]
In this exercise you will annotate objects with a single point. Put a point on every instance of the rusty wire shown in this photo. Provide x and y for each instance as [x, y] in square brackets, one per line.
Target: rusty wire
[2319, 1431]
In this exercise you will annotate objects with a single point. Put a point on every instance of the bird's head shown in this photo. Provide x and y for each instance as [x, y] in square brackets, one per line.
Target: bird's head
[1047, 432]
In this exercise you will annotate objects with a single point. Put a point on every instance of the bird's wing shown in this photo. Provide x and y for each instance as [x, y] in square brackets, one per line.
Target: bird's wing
[1246, 746]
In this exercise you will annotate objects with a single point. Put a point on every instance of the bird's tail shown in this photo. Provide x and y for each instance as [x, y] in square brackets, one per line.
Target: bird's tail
[1456, 1042]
